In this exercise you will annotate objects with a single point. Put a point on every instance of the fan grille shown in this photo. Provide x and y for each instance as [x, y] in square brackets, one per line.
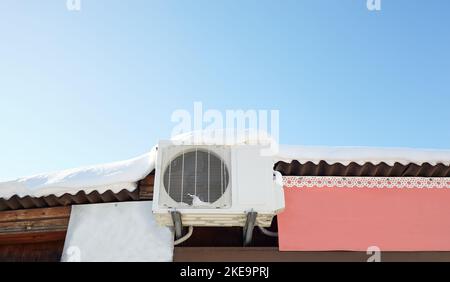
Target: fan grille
[198, 172]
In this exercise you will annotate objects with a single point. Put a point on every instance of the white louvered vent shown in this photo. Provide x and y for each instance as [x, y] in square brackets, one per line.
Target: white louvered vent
[195, 176]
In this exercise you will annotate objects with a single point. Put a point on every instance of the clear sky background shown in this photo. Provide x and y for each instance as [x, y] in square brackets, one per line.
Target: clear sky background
[100, 85]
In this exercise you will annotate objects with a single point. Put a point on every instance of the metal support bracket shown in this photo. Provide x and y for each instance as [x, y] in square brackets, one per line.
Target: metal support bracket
[177, 224]
[248, 228]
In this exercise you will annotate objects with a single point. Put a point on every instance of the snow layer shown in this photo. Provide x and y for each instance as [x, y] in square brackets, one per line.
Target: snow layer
[125, 174]
[224, 137]
[112, 176]
[362, 155]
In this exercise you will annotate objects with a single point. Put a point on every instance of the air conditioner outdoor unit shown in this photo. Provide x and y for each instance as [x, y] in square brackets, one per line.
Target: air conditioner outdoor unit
[215, 185]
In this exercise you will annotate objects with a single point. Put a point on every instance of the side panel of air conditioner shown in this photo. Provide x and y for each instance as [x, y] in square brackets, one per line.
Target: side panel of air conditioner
[254, 178]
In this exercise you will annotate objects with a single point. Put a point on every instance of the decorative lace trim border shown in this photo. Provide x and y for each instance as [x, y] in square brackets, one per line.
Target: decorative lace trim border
[364, 182]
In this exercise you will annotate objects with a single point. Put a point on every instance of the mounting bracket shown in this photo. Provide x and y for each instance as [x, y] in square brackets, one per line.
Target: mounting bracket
[177, 224]
[249, 226]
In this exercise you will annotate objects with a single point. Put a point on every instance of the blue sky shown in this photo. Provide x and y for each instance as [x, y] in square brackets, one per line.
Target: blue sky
[101, 84]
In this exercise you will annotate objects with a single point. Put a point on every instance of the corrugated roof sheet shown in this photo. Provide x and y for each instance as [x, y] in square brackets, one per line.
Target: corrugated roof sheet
[295, 168]
[17, 203]
[144, 191]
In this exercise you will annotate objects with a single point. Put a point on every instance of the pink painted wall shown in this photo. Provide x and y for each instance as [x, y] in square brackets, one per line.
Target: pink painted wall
[353, 219]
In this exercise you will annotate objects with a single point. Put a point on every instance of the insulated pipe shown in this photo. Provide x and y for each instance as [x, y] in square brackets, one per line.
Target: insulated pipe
[185, 238]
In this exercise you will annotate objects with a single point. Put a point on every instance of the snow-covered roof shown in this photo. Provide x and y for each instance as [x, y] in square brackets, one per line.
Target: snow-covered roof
[125, 174]
[101, 178]
[362, 155]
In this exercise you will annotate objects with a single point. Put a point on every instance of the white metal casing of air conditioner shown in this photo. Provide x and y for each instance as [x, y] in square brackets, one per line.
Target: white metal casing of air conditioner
[252, 187]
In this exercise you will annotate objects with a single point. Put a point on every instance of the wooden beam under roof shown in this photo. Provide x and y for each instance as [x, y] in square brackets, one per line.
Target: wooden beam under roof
[34, 225]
